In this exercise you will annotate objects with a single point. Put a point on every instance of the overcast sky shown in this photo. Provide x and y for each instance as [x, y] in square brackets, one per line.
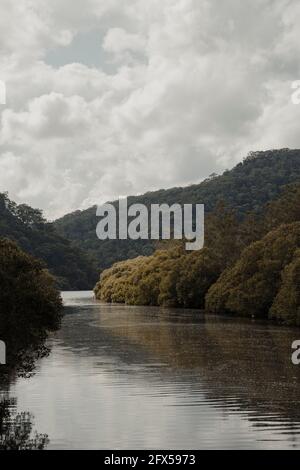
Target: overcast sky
[113, 97]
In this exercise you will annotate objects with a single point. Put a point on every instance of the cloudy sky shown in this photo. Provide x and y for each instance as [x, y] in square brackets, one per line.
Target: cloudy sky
[111, 97]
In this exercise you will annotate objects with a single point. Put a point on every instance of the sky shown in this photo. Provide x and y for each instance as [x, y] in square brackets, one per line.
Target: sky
[107, 98]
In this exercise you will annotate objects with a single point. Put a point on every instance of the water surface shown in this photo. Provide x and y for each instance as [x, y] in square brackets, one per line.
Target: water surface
[142, 377]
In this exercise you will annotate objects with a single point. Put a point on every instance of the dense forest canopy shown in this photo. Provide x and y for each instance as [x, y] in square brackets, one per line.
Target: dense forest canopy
[249, 186]
[27, 226]
[249, 266]
[75, 256]
[265, 281]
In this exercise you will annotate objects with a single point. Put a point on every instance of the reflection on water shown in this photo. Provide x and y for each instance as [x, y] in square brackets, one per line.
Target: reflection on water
[144, 377]
[24, 348]
[16, 429]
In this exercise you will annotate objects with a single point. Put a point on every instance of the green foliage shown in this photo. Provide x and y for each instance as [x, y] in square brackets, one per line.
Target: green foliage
[245, 268]
[286, 305]
[198, 272]
[246, 188]
[285, 209]
[30, 306]
[72, 268]
[172, 276]
[250, 287]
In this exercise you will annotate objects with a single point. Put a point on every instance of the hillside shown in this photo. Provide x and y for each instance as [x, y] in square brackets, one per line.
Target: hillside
[26, 226]
[247, 187]
[247, 267]
[264, 282]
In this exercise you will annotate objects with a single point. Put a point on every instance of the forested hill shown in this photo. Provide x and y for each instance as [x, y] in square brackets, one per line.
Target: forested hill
[247, 187]
[73, 269]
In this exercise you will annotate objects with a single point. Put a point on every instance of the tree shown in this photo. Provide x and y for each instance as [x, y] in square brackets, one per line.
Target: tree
[30, 305]
[72, 268]
[250, 287]
[29, 216]
[248, 187]
[286, 305]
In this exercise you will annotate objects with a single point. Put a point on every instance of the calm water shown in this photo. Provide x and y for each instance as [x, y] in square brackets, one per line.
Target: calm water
[137, 377]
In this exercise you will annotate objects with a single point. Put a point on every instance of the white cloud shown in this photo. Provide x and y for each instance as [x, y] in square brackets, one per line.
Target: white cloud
[117, 40]
[197, 85]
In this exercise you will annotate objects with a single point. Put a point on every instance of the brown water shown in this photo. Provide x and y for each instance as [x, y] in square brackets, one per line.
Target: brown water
[142, 377]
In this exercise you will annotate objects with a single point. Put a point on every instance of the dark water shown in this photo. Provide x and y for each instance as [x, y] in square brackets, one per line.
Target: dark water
[137, 377]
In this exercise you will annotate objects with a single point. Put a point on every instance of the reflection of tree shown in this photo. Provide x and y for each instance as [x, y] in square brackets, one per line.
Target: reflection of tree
[22, 357]
[240, 364]
[16, 429]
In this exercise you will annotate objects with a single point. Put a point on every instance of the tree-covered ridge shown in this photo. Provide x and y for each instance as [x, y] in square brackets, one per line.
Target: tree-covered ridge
[171, 276]
[249, 186]
[27, 226]
[248, 266]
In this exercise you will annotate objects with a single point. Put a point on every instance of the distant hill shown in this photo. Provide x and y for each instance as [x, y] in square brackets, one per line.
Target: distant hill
[26, 226]
[249, 186]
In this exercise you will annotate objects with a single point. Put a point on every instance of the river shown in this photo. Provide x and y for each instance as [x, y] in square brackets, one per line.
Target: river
[121, 377]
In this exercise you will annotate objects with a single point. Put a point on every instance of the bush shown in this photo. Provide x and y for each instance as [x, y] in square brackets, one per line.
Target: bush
[30, 305]
[250, 287]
